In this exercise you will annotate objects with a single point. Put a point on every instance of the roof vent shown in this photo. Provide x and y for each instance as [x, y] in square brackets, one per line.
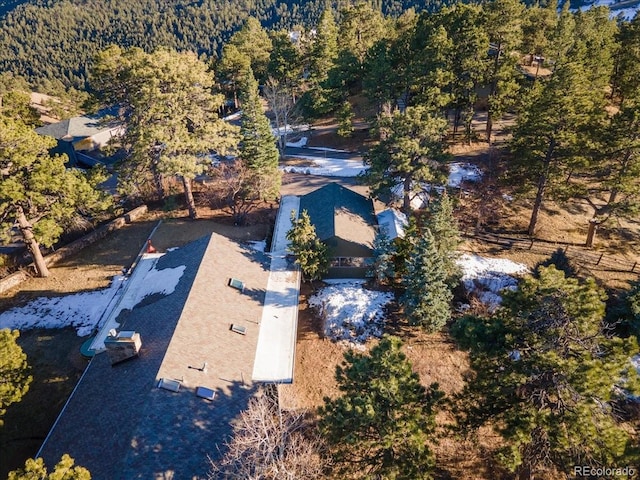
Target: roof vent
[123, 346]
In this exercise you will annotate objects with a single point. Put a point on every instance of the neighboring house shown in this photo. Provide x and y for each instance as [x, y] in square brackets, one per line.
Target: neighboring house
[81, 138]
[346, 222]
[120, 424]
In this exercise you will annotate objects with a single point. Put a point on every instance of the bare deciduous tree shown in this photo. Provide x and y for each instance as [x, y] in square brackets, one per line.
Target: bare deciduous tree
[282, 103]
[233, 186]
[270, 443]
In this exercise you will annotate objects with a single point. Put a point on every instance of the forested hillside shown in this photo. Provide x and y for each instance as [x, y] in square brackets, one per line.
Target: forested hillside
[57, 40]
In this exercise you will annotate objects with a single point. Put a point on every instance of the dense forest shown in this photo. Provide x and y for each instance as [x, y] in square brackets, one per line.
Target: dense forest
[57, 40]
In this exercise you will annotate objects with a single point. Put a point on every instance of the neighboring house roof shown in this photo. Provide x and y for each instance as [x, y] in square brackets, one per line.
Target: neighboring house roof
[78, 128]
[118, 424]
[337, 212]
[392, 222]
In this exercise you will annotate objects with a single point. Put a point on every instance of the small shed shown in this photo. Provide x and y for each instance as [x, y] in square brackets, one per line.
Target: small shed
[346, 222]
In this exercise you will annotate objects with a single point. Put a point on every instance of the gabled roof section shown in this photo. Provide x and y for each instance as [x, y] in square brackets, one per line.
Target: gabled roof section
[392, 222]
[336, 211]
[84, 126]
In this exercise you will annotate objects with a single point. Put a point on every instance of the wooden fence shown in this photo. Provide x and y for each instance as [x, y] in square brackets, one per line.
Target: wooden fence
[60, 254]
[578, 254]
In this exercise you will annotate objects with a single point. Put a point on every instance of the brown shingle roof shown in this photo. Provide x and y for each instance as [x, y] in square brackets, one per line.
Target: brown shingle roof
[119, 425]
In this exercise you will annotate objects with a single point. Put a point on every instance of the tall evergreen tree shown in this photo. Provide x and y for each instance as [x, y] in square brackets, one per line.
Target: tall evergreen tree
[383, 253]
[171, 117]
[411, 151]
[562, 115]
[552, 134]
[14, 370]
[627, 61]
[325, 47]
[427, 297]
[253, 41]
[285, 60]
[444, 227]
[360, 28]
[381, 423]
[503, 21]
[467, 59]
[258, 145]
[345, 120]
[231, 71]
[311, 254]
[546, 372]
[611, 182]
[38, 194]
[432, 70]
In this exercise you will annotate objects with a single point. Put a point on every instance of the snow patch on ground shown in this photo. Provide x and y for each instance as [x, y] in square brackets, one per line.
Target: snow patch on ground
[328, 167]
[287, 129]
[83, 311]
[463, 172]
[487, 277]
[352, 314]
[298, 144]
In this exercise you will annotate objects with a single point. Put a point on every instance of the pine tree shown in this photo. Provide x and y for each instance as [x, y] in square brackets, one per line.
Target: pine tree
[258, 148]
[411, 152]
[431, 70]
[345, 120]
[14, 378]
[64, 470]
[381, 422]
[427, 298]
[444, 227]
[171, 117]
[552, 134]
[325, 47]
[253, 41]
[467, 59]
[546, 372]
[311, 254]
[285, 61]
[503, 21]
[231, 71]
[37, 192]
[384, 255]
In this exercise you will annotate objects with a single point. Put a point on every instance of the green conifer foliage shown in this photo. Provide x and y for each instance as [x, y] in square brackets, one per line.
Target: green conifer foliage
[258, 148]
[384, 251]
[64, 470]
[381, 423]
[444, 227]
[38, 193]
[311, 254]
[427, 298]
[345, 120]
[14, 377]
[547, 374]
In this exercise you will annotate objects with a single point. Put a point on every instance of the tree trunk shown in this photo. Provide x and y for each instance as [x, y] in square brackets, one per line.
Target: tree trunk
[489, 125]
[542, 186]
[406, 205]
[32, 244]
[188, 194]
[591, 233]
[157, 176]
[493, 92]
